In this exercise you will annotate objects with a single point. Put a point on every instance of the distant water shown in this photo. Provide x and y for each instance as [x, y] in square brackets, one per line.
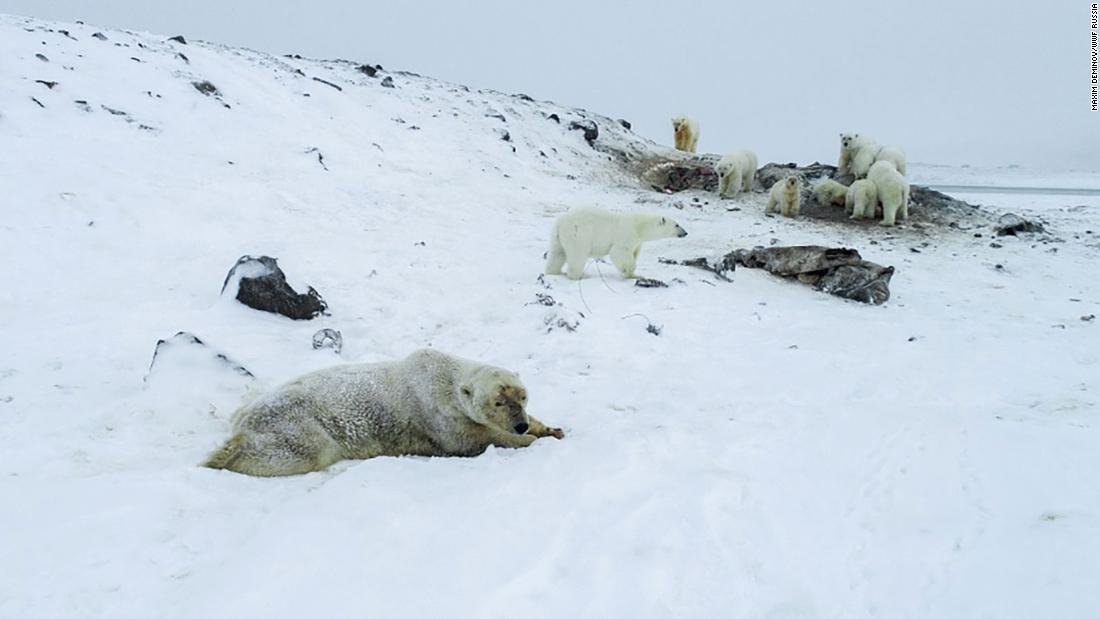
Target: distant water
[1032, 191]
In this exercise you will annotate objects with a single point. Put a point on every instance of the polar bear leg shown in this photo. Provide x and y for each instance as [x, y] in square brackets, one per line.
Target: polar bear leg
[555, 258]
[723, 185]
[889, 210]
[295, 449]
[500, 438]
[539, 429]
[625, 259]
[576, 264]
[747, 177]
[771, 204]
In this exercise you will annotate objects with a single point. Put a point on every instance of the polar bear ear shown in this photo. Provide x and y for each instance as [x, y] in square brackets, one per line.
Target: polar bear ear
[664, 221]
[466, 391]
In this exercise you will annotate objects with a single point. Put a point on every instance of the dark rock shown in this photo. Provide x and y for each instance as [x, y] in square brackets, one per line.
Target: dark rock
[555, 118]
[178, 39]
[320, 156]
[1011, 224]
[671, 176]
[387, 82]
[328, 83]
[504, 135]
[591, 131]
[100, 36]
[645, 282]
[771, 173]
[497, 116]
[112, 111]
[183, 57]
[185, 349]
[1088, 318]
[837, 271]
[328, 338]
[207, 88]
[42, 57]
[367, 69]
[262, 285]
[625, 123]
[40, 104]
[46, 83]
[523, 97]
[82, 104]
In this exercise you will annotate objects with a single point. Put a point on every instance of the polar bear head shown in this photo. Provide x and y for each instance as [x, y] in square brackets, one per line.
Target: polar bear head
[660, 227]
[679, 123]
[849, 140]
[791, 184]
[496, 398]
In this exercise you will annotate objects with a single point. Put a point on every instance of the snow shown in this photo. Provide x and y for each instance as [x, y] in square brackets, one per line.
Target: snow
[775, 452]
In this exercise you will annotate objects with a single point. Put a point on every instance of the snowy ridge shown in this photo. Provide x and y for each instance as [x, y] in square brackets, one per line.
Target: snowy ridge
[773, 452]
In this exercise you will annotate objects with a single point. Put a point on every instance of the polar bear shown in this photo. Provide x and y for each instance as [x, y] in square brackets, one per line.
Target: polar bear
[861, 200]
[827, 191]
[428, 404]
[587, 233]
[893, 154]
[892, 190]
[858, 153]
[849, 145]
[785, 197]
[736, 172]
[685, 133]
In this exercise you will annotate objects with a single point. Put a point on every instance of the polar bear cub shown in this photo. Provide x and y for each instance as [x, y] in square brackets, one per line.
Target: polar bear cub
[736, 172]
[828, 191]
[861, 200]
[892, 189]
[593, 232]
[785, 197]
[685, 133]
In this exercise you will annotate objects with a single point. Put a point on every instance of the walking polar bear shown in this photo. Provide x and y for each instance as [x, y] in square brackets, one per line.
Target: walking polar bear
[593, 232]
[428, 404]
[785, 197]
[892, 190]
[858, 153]
[736, 172]
[685, 133]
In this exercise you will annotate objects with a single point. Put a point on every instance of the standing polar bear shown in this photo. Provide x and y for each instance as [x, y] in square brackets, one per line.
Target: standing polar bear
[736, 172]
[861, 200]
[593, 232]
[428, 404]
[685, 133]
[892, 190]
[858, 153]
[785, 197]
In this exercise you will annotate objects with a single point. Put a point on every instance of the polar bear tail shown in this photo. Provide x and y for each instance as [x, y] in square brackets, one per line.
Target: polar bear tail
[227, 454]
[555, 256]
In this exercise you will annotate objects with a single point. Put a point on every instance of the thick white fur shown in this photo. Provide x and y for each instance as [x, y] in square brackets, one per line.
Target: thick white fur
[858, 153]
[685, 133]
[736, 172]
[861, 199]
[429, 404]
[785, 197]
[828, 191]
[593, 232]
[892, 189]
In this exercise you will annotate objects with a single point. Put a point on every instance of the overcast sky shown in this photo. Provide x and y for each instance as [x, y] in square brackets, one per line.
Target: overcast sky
[985, 83]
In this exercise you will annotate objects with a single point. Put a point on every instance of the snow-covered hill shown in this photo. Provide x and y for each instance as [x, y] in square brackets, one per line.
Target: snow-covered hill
[774, 452]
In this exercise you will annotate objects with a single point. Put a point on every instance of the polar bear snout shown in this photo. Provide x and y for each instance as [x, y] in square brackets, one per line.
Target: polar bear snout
[521, 427]
[680, 232]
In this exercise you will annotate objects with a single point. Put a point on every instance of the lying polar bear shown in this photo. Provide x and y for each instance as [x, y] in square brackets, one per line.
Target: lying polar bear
[428, 404]
[587, 233]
